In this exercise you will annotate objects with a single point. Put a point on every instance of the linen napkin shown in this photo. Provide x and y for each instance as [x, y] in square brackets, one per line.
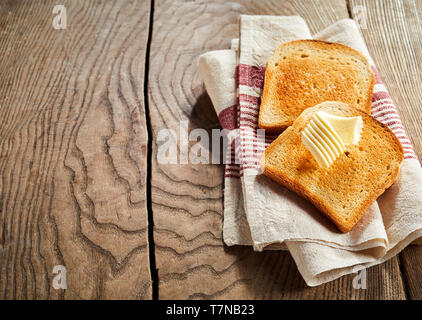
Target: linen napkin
[317, 254]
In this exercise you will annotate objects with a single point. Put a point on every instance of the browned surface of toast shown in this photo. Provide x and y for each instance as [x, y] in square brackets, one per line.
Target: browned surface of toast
[303, 73]
[345, 190]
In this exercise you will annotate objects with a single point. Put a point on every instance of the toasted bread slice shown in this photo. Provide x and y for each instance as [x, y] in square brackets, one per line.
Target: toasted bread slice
[303, 73]
[346, 189]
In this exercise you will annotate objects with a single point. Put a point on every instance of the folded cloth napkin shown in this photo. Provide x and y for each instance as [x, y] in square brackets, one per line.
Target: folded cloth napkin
[277, 216]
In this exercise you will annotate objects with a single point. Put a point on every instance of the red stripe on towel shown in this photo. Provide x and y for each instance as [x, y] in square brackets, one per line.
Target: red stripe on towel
[252, 76]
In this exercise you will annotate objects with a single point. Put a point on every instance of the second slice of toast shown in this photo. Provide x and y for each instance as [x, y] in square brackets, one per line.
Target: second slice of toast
[347, 188]
[303, 73]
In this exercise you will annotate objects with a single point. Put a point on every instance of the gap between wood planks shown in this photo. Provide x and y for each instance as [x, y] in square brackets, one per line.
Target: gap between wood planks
[349, 9]
[151, 246]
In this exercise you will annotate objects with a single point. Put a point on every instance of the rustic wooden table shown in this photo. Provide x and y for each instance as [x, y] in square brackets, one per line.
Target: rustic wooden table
[80, 186]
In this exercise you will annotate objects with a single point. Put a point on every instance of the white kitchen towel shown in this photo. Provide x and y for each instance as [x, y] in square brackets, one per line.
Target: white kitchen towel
[318, 260]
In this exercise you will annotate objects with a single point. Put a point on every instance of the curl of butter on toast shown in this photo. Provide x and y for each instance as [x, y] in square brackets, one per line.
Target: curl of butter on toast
[326, 136]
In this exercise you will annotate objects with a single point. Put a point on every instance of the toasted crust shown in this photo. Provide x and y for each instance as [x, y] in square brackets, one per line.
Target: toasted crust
[345, 190]
[303, 73]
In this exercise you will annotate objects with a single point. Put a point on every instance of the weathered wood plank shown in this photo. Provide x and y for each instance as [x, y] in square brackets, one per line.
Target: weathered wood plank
[192, 261]
[393, 35]
[73, 150]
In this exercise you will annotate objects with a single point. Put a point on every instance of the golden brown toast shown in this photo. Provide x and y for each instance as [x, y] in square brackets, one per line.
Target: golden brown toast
[303, 73]
[346, 189]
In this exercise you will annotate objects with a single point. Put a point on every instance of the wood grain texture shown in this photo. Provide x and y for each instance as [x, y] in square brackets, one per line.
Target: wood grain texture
[411, 262]
[393, 36]
[187, 208]
[73, 150]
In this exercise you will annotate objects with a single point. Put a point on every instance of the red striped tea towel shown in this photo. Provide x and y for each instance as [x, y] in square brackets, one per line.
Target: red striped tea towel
[218, 70]
[215, 67]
